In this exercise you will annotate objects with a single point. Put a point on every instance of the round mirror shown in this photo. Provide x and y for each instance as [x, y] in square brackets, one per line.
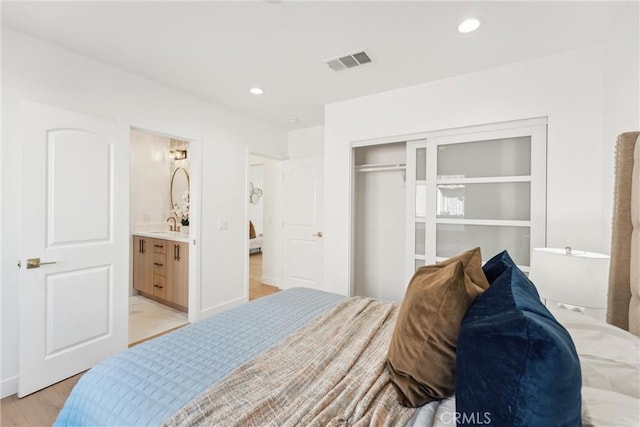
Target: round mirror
[179, 185]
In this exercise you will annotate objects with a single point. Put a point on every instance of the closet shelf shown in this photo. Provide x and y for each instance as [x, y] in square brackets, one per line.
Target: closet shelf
[375, 167]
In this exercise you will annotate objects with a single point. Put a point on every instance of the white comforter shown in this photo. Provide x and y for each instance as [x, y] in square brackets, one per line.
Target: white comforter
[610, 360]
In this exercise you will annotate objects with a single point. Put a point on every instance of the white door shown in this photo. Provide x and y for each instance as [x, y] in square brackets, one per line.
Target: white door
[75, 204]
[302, 243]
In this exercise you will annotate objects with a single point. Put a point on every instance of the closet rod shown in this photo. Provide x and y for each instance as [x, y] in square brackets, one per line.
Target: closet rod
[374, 167]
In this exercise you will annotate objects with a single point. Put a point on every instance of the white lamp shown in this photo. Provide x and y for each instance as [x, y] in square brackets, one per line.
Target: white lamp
[572, 277]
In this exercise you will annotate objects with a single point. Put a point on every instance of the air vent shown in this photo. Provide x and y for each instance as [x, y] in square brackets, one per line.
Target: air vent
[350, 60]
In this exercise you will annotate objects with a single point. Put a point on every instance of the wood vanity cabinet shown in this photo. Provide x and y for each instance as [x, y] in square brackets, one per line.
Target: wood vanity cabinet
[178, 272]
[159, 281]
[161, 270]
[143, 264]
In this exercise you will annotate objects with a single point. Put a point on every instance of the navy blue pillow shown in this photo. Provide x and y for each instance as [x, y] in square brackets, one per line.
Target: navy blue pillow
[515, 364]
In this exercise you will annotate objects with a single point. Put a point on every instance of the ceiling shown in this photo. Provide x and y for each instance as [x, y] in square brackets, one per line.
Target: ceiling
[218, 50]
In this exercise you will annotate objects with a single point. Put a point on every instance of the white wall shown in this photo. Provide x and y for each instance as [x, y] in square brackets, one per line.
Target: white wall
[589, 95]
[150, 180]
[306, 142]
[47, 74]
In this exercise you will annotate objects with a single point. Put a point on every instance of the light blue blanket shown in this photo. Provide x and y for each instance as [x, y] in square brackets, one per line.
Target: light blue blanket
[150, 382]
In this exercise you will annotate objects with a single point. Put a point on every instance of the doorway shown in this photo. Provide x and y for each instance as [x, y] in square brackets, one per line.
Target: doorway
[77, 243]
[160, 225]
[264, 212]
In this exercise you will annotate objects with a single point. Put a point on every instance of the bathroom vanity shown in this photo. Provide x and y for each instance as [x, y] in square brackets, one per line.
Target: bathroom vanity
[161, 267]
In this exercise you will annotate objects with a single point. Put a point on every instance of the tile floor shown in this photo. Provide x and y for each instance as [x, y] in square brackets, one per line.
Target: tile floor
[148, 318]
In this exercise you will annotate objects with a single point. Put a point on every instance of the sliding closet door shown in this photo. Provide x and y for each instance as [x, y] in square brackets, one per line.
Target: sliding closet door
[484, 189]
[417, 240]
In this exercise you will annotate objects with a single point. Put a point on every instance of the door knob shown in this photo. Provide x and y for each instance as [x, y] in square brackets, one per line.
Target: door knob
[35, 263]
[318, 234]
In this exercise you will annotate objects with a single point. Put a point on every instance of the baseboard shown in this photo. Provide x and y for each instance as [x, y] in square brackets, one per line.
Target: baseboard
[273, 281]
[207, 312]
[8, 387]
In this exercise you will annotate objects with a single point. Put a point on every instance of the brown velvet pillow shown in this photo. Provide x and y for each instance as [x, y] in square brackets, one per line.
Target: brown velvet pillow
[252, 231]
[422, 353]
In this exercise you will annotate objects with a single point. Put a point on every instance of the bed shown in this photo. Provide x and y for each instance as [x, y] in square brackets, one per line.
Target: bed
[255, 240]
[624, 281]
[255, 244]
[256, 364]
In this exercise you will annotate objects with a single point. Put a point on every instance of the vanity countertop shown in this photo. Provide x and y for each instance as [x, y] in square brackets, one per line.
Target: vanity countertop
[176, 236]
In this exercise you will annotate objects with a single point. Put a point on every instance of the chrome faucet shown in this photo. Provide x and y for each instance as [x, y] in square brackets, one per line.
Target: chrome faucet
[173, 227]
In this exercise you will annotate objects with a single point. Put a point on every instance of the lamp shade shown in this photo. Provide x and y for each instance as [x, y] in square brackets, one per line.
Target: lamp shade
[572, 277]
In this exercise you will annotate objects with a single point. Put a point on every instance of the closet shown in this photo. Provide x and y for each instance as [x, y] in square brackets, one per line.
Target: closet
[379, 220]
[439, 193]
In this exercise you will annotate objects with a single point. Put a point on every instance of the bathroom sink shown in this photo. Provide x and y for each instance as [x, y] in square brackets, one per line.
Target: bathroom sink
[164, 234]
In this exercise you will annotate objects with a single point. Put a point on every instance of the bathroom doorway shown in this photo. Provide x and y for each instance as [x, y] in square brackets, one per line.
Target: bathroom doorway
[160, 224]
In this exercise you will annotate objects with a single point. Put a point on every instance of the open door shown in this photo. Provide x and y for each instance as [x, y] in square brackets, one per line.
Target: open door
[302, 240]
[75, 249]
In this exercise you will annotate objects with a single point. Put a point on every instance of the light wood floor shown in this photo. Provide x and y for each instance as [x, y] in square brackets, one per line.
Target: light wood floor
[37, 409]
[256, 288]
[41, 408]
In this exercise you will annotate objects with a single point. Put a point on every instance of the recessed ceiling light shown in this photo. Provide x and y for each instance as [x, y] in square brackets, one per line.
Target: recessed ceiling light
[469, 25]
[293, 120]
[256, 91]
